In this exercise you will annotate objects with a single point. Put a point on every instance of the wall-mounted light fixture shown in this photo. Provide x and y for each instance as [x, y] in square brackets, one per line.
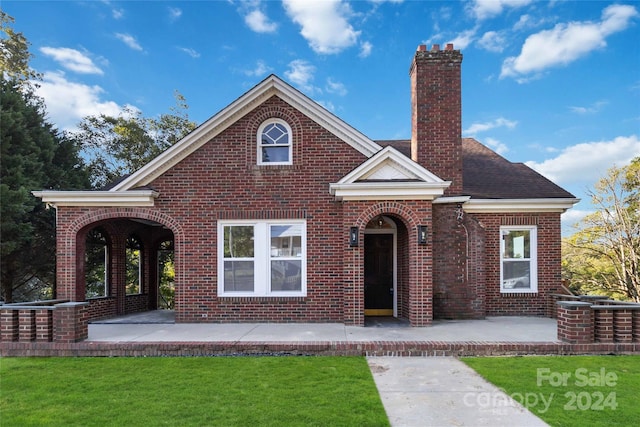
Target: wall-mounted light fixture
[422, 234]
[353, 236]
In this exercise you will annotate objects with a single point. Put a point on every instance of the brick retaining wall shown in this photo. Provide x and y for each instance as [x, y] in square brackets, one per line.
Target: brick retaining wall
[311, 348]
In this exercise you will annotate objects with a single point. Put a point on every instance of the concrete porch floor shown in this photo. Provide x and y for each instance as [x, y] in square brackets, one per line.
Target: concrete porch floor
[159, 326]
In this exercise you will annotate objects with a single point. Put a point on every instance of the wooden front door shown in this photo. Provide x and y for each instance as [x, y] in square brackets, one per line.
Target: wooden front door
[378, 275]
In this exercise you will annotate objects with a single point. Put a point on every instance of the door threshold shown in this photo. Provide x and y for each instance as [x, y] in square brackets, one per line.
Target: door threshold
[378, 312]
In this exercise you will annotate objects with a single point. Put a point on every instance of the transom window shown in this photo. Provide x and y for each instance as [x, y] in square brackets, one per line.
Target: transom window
[518, 260]
[274, 143]
[262, 258]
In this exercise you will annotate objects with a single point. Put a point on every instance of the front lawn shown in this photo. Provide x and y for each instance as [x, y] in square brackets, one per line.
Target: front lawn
[229, 391]
[568, 390]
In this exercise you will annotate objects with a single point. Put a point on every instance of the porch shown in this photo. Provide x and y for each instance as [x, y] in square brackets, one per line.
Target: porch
[157, 326]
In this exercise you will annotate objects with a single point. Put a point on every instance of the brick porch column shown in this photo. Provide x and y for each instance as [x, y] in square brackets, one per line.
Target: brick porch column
[9, 325]
[71, 322]
[623, 325]
[27, 324]
[636, 325]
[575, 322]
[603, 327]
[44, 324]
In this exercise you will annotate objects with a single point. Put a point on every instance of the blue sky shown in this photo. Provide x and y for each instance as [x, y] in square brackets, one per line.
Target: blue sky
[553, 84]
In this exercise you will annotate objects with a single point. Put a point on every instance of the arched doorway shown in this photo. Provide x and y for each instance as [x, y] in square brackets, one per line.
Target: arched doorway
[380, 267]
[122, 265]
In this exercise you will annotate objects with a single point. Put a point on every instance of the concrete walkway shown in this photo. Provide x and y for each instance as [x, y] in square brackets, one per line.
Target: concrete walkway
[443, 391]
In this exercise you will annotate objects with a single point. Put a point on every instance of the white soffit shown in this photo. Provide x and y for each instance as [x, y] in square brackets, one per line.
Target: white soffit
[389, 175]
[269, 87]
[98, 198]
[519, 205]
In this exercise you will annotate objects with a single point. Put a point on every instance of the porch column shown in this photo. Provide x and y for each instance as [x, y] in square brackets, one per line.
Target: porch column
[420, 281]
[575, 322]
[71, 322]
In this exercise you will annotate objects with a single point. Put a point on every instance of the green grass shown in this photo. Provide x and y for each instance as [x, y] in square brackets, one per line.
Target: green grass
[583, 390]
[223, 391]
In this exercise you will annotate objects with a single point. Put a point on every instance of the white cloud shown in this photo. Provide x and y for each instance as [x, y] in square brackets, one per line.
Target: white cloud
[301, 73]
[567, 42]
[365, 49]
[484, 9]
[496, 145]
[335, 87]
[464, 39]
[259, 22]
[572, 216]
[129, 40]
[72, 59]
[324, 24]
[174, 13]
[593, 108]
[328, 105]
[260, 69]
[191, 52]
[492, 41]
[115, 12]
[527, 21]
[483, 127]
[68, 102]
[588, 162]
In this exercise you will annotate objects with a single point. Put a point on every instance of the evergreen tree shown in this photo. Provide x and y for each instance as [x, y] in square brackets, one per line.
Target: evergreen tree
[33, 156]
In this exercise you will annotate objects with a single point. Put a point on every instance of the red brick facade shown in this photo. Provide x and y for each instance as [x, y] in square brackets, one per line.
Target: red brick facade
[455, 273]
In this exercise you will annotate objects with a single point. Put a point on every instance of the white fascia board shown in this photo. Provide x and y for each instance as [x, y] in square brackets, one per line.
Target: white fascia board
[272, 85]
[415, 171]
[519, 205]
[98, 198]
[388, 190]
[451, 199]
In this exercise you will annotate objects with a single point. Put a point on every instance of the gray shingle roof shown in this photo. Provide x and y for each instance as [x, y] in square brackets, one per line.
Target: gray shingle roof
[487, 175]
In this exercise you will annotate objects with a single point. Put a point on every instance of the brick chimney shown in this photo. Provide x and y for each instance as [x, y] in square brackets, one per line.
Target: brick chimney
[436, 113]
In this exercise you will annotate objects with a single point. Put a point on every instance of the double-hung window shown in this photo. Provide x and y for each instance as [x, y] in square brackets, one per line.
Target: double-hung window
[518, 260]
[262, 258]
[274, 143]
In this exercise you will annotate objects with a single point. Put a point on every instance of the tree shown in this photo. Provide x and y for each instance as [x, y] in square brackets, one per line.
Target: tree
[33, 156]
[604, 255]
[118, 146]
[14, 53]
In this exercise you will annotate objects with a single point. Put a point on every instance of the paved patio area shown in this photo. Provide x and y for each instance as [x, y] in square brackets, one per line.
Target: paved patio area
[160, 327]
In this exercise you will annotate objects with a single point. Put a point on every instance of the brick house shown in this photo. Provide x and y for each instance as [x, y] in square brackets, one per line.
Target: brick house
[278, 211]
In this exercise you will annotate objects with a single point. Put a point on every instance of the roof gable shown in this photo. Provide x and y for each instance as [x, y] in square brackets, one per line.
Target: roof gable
[389, 175]
[264, 90]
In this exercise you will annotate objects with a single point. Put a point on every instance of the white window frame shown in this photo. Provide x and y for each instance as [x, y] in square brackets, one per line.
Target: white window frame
[262, 259]
[260, 145]
[533, 260]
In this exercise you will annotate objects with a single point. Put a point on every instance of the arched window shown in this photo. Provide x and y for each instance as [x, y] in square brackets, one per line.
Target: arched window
[274, 143]
[134, 265]
[96, 264]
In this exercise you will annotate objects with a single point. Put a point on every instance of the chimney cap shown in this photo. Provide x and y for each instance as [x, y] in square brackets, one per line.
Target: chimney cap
[422, 48]
[435, 48]
[449, 46]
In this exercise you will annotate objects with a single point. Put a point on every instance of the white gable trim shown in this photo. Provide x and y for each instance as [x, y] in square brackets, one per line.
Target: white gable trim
[272, 85]
[98, 198]
[406, 179]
